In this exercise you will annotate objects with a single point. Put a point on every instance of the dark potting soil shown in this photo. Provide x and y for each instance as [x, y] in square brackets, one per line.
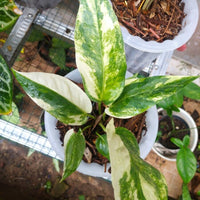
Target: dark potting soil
[166, 128]
[161, 21]
[135, 124]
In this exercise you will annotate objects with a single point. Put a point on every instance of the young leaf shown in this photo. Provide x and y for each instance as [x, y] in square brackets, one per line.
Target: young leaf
[141, 94]
[177, 142]
[74, 146]
[185, 192]
[99, 48]
[6, 88]
[132, 177]
[102, 146]
[186, 164]
[57, 95]
[186, 141]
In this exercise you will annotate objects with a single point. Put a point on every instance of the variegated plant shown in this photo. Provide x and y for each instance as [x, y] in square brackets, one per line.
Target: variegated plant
[101, 61]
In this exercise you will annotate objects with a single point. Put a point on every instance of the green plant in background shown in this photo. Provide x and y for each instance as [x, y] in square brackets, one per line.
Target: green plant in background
[186, 164]
[9, 14]
[57, 52]
[101, 61]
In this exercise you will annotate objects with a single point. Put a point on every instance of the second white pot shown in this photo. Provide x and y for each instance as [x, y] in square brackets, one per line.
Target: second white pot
[170, 154]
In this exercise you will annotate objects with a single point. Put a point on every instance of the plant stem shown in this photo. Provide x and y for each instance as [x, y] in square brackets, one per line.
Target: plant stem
[99, 108]
[102, 126]
[91, 116]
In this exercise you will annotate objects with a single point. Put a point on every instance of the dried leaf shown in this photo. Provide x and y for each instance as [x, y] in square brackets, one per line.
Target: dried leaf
[88, 155]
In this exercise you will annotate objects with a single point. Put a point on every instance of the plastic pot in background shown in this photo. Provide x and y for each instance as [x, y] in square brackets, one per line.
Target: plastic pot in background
[170, 154]
[141, 53]
[94, 169]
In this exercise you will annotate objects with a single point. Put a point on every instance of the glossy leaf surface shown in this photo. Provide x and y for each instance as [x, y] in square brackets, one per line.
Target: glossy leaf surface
[186, 164]
[57, 95]
[6, 88]
[74, 146]
[100, 53]
[132, 177]
[141, 94]
[102, 146]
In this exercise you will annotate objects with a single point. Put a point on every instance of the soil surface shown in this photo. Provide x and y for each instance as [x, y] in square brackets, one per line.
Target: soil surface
[35, 178]
[159, 21]
[165, 126]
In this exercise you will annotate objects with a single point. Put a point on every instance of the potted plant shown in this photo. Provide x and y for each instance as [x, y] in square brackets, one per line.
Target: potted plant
[101, 62]
[186, 164]
[176, 122]
[151, 27]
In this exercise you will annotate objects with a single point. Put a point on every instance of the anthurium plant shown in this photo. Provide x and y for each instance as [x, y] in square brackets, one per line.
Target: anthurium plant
[101, 61]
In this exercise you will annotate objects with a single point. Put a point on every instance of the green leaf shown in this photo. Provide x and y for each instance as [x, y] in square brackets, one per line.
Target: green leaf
[186, 164]
[100, 53]
[58, 56]
[192, 91]
[102, 146]
[132, 177]
[186, 141]
[57, 43]
[173, 102]
[14, 116]
[6, 88]
[9, 14]
[141, 94]
[177, 142]
[36, 35]
[57, 95]
[74, 145]
[185, 192]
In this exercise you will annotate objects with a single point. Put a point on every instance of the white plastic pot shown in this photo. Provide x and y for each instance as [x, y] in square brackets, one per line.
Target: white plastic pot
[140, 53]
[188, 27]
[94, 169]
[170, 154]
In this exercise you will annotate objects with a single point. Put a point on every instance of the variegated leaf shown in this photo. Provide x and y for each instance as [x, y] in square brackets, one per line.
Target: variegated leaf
[9, 14]
[140, 94]
[57, 95]
[132, 177]
[100, 53]
[74, 146]
[6, 88]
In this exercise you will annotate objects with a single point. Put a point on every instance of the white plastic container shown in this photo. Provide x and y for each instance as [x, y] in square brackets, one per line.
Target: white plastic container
[94, 169]
[141, 53]
[170, 154]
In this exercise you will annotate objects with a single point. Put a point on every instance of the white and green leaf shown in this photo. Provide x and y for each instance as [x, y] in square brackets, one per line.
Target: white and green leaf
[100, 53]
[74, 146]
[6, 88]
[132, 177]
[140, 94]
[57, 95]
